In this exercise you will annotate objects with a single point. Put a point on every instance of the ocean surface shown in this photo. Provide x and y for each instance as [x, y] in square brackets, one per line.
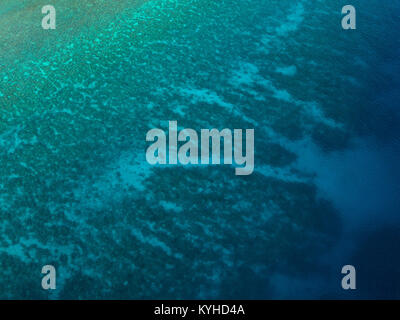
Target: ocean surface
[77, 193]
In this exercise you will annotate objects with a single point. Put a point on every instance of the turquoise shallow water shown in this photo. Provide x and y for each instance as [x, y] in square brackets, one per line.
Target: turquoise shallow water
[75, 189]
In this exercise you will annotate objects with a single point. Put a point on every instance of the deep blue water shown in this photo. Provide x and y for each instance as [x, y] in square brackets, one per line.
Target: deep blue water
[76, 192]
